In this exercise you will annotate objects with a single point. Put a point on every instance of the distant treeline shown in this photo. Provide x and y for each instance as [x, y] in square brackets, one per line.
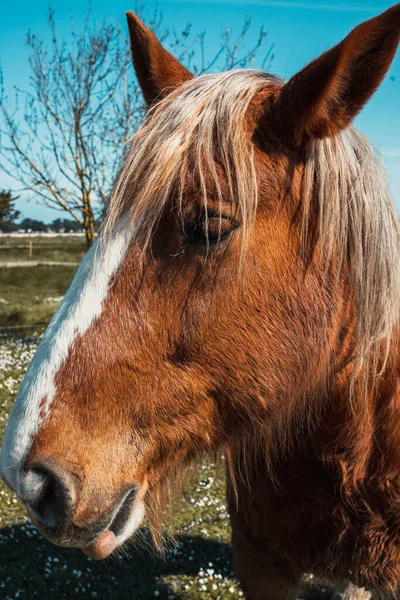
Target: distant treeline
[10, 219]
[35, 226]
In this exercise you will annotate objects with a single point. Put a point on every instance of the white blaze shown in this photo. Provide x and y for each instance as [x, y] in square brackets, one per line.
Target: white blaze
[81, 305]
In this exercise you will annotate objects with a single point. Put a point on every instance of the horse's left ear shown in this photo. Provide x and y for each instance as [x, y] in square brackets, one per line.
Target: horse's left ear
[158, 72]
[323, 98]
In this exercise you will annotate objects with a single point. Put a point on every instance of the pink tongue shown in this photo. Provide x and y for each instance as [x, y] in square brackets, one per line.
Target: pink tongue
[102, 547]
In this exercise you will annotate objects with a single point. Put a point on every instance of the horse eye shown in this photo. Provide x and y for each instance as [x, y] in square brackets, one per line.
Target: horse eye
[211, 232]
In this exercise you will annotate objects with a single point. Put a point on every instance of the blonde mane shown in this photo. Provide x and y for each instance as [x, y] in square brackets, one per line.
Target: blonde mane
[185, 135]
[358, 223]
[203, 124]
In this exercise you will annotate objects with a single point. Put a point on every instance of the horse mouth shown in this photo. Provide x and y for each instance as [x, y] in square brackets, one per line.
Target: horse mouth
[122, 516]
[124, 523]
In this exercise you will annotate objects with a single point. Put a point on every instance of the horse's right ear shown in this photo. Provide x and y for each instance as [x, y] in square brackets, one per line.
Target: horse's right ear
[158, 72]
[323, 98]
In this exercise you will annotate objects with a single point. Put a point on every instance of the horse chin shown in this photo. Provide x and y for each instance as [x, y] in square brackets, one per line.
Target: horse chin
[102, 547]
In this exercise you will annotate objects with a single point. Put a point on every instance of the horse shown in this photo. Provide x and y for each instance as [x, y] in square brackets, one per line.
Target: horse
[242, 297]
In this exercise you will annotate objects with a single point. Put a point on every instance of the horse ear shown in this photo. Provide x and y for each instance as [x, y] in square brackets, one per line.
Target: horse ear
[158, 72]
[323, 98]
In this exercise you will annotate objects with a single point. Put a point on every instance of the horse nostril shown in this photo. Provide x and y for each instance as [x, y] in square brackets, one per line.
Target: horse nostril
[47, 492]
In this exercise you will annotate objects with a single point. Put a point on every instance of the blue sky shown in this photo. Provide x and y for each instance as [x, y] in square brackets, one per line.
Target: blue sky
[300, 30]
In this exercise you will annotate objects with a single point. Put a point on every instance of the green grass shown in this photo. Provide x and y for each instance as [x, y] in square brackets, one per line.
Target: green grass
[61, 249]
[30, 295]
[198, 567]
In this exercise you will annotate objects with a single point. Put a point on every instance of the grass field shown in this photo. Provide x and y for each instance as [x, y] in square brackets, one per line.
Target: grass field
[29, 294]
[63, 248]
[197, 567]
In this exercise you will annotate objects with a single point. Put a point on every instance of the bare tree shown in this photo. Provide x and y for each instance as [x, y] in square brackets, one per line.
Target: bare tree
[68, 132]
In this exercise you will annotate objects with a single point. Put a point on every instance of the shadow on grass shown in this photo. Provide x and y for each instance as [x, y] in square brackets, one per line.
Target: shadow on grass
[31, 567]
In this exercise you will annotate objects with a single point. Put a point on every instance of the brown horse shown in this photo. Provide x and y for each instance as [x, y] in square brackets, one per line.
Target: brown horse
[243, 295]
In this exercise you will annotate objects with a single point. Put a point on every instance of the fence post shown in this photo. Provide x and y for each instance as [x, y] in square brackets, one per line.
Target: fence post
[30, 248]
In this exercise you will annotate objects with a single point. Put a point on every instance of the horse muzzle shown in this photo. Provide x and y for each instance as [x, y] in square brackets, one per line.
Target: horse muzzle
[50, 494]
